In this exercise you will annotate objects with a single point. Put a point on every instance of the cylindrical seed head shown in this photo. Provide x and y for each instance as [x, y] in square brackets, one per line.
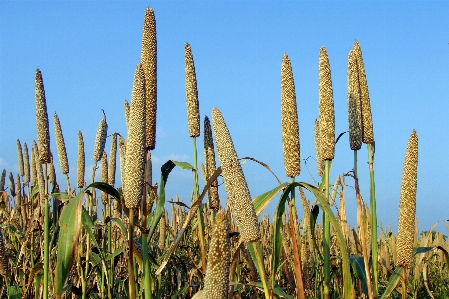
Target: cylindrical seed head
[112, 160]
[354, 104]
[2, 180]
[149, 65]
[407, 204]
[127, 115]
[326, 108]
[26, 163]
[367, 121]
[216, 282]
[4, 261]
[62, 153]
[135, 151]
[43, 133]
[289, 116]
[12, 186]
[18, 193]
[209, 158]
[20, 158]
[34, 160]
[104, 175]
[122, 156]
[319, 160]
[234, 181]
[193, 109]
[149, 171]
[100, 139]
[51, 171]
[81, 165]
[39, 173]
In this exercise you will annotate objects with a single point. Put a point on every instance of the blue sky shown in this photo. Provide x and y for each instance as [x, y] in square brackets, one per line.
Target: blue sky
[88, 52]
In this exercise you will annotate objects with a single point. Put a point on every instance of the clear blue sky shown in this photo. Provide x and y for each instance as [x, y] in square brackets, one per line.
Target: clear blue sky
[88, 52]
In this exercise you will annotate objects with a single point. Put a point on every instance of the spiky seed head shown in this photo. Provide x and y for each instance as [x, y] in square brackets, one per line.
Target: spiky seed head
[149, 64]
[4, 261]
[43, 133]
[289, 115]
[104, 175]
[407, 204]
[81, 166]
[162, 233]
[234, 181]
[149, 171]
[100, 139]
[216, 282]
[2, 180]
[209, 157]
[122, 156]
[367, 120]
[26, 163]
[20, 158]
[135, 149]
[62, 153]
[319, 160]
[39, 173]
[354, 104]
[34, 160]
[326, 108]
[12, 186]
[193, 109]
[18, 194]
[112, 160]
[51, 171]
[127, 115]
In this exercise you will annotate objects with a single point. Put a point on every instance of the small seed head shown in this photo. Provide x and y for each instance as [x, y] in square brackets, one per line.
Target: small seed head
[26, 163]
[193, 112]
[81, 166]
[112, 160]
[2, 180]
[62, 153]
[43, 133]
[209, 158]
[20, 158]
[100, 139]
[354, 104]
[319, 160]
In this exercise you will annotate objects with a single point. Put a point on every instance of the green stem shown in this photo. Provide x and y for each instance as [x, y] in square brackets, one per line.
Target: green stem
[131, 278]
[145, 256]
[373, 218]
[326, 233]
[46, 235]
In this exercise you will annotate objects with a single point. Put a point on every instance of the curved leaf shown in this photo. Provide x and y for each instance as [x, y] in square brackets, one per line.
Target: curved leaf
[392, 283]
[358, 264]
[261, 201]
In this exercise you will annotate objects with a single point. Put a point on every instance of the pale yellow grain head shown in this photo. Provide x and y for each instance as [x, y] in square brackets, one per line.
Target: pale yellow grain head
[104, 176]
[112, 160]
[12, 186]
[60, 145]
[319, 160]
[39, 173]
[81, 165]
[234, 181]
[34, 159]
[51, 171]
[20, 158]
[193, 110]
[216, 282]
[211, 167]
[43, 133]
[407, 204]
[326, 108]
[122, 156]
[354, 104]
[367, 120]
[135, 148]
[18, 191]
[289, 116]
[149, 65]
[26, 163]
[100, 139]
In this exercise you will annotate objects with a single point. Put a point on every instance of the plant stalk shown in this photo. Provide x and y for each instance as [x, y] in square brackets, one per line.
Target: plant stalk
[373, 218]
[326, 233]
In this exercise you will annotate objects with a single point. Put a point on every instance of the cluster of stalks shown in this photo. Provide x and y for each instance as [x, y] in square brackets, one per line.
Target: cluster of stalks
[69, 244]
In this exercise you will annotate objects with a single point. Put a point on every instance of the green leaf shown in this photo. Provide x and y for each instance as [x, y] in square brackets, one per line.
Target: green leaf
[277, 289]
[261, 201]
[313, 217]
[419, 250]
[14, 292]
[114, 254]
[183, 165]
[94, 259]
[358, 264]
[394, 279]
[105, 187]
[70, 224]
[63, 196]
[89, 226]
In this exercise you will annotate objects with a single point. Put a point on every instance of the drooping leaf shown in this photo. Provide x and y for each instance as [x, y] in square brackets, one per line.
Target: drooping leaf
[262, 201]
[419, 250]
[358, 265]
[392, 283]
[183, 165]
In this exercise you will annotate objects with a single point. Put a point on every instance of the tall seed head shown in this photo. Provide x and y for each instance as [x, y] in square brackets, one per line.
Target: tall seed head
[149, 171]
[20, 158]
[234, 181]
[34, 159]
[81, 166]
[62, 153]
[4, 261]
[193, 112]
[354, 104]
[319, 160]
[135, 151]
[112, 160]
[12, 186]
[289, 115]
[122, 156]
[407, 204]
[2, 180]
[104, 175]
[209, 158]
[43, 133]
[367, 121]
[149, 64]
[18, 189]
[100, 139]
[26, 163]
[326, 108]
[216, 282]
[127, 115]
[39, 173]
[51, 171]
